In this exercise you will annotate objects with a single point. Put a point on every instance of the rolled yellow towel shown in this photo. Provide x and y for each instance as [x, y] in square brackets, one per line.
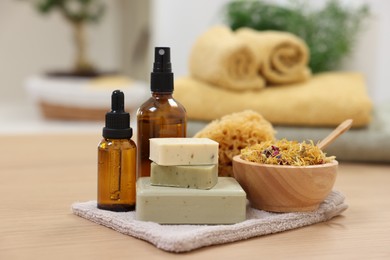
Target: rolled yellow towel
[283, 57]
[222, 59]
[325, 100]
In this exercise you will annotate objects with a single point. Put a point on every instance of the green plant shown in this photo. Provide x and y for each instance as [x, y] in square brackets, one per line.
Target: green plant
[77, 13]
[330, 32]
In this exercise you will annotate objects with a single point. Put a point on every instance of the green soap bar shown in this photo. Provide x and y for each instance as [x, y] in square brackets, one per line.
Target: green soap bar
[196, 177]
[225, 203]
[183, 151]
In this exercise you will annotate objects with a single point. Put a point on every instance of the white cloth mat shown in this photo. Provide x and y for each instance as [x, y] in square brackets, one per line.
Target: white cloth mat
[182, 238]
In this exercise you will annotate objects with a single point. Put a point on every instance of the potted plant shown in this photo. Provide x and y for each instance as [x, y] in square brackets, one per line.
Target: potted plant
[77, 13]
[83, 92]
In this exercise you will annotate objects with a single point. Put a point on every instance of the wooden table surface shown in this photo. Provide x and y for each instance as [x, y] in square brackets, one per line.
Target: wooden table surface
[41, 176]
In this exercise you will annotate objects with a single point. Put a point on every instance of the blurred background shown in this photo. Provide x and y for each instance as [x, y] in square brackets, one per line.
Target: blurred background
[33, 43]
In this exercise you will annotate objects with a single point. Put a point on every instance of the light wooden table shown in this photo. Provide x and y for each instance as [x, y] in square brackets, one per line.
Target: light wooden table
[41, 176]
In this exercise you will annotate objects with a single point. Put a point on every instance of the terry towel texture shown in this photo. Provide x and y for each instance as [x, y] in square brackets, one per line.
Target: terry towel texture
[245, 59]
[182, 238]
[325, 100]
[224, 60]
[282, 57]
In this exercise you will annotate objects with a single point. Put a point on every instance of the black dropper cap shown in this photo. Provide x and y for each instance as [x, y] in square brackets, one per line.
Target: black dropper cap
[117, 121]
[161, 79]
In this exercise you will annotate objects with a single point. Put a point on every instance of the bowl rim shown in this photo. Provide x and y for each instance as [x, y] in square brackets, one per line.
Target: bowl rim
[238, 159]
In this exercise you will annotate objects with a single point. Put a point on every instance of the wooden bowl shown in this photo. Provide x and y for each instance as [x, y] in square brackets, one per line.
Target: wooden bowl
[281, 188]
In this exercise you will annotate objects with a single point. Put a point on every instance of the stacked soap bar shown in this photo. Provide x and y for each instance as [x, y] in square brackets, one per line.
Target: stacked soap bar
[197, 177]
[199, 197]
[184, 162]
[225, 203]
[183, 151]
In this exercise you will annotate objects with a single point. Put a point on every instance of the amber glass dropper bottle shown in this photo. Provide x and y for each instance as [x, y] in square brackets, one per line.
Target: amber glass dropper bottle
[117, 155]
[161, 115]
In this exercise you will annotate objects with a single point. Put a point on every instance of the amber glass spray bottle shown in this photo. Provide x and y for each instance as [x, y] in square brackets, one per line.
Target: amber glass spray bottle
[117, 160]
[161, 115]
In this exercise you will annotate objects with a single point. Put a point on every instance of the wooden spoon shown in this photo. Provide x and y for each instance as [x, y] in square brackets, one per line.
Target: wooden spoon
[343, 127]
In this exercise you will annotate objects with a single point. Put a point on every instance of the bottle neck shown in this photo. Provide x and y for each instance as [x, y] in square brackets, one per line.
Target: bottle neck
[162, 94]
[116, 140]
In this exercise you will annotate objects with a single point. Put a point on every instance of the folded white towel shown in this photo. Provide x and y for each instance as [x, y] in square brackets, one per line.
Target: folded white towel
[181, 238]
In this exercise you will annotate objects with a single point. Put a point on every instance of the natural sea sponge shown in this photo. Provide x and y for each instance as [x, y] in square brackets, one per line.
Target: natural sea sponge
[235, 132]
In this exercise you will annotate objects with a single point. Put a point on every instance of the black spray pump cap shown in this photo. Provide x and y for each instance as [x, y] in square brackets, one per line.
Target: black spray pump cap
[161, 79]
[117, 121]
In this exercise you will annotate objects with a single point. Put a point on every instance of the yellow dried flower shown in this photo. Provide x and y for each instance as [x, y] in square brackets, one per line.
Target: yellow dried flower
[284, 152]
